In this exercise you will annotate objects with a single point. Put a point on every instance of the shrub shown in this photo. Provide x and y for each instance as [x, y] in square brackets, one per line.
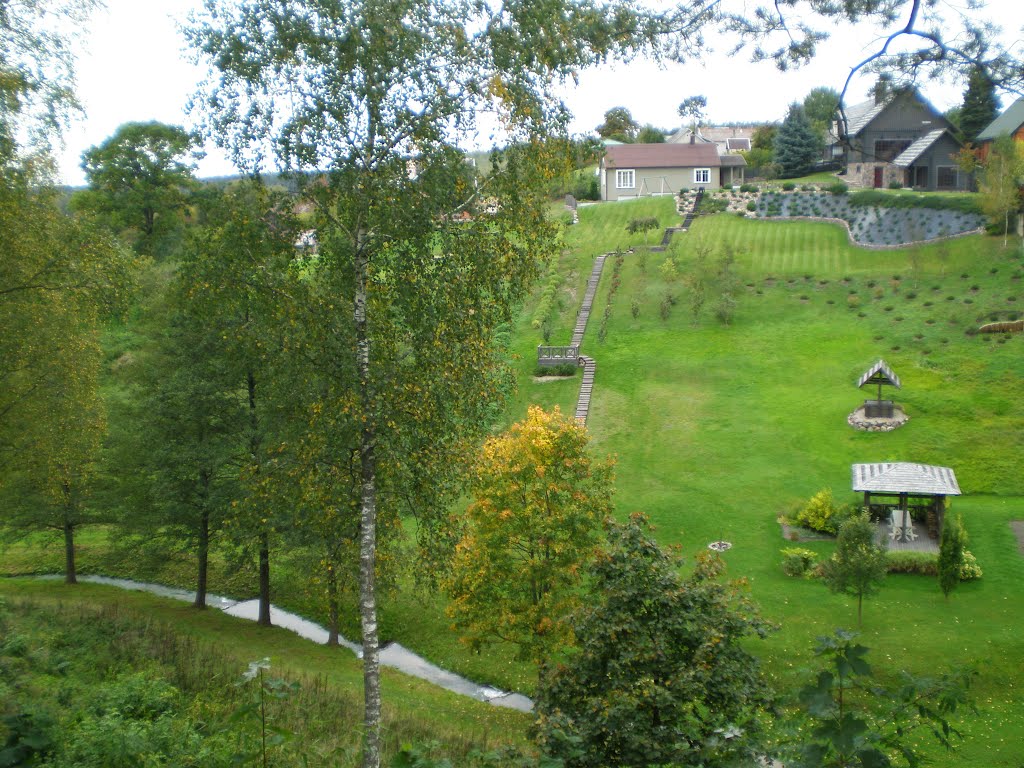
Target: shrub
[798, 562]
[838, 188]
[895, 185]
[917, 563]
[564, 369]
[788, 186]
[748, 188]
[820, 513]
[969, 569]
[751, 206]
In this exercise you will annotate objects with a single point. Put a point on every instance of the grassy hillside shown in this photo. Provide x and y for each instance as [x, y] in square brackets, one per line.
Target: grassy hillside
[719, 429]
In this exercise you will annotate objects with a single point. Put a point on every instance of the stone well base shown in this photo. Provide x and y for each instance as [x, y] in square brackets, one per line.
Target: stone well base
[858, 420]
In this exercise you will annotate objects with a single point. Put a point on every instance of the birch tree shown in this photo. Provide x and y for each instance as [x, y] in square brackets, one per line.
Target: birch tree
[362, 98]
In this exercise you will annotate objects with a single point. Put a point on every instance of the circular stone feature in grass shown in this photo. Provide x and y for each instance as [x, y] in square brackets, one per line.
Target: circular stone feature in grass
[720, 546]
[858, 420]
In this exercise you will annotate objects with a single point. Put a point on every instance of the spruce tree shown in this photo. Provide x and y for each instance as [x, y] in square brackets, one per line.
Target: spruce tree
[951, 554]
[980, 104]
[796, 145]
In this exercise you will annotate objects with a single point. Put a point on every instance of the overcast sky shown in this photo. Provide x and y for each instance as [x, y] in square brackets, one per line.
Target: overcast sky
[133, 67]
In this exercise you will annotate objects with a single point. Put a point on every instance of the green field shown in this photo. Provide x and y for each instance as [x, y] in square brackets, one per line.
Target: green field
[719, 429]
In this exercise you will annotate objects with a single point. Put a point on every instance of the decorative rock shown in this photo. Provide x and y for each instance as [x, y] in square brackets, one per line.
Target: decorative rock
[858, 420]
[720, 546]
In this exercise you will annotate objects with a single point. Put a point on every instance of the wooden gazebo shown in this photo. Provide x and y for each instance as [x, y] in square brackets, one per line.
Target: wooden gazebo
[881, 375]
[918, 491]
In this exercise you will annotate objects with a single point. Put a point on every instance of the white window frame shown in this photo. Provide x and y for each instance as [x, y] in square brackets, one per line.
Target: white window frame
[701, 175]
[625, 175]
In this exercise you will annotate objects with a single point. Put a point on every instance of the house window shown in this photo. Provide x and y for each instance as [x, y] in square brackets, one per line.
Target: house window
[701, 175]
[625, 179]
[946, 177]
[887, 150]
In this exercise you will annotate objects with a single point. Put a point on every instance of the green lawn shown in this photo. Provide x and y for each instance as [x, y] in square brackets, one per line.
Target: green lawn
[719, 429]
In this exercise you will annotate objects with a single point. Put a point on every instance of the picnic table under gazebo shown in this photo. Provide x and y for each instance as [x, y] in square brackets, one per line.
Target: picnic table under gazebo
[910, 491]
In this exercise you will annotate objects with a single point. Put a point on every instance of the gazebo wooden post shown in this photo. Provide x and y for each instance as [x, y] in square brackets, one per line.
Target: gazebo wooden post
[905, 515]
[867, 501]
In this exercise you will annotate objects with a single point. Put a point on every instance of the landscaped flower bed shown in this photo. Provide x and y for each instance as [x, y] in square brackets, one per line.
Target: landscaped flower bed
[870, 225]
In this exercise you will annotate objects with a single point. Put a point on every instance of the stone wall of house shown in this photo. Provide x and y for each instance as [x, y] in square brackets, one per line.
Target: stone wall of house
[863, 175]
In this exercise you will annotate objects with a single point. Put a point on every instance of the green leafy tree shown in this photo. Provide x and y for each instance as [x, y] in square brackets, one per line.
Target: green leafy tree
[59, 279]
[1000, 183]
[619, 125]
[237, 282]
[540, 501]
[699, 278]
[951, 553]
[37, 79]
[820, 105]
[692, 111]
[642, 224]
[662, 673]
[727, 285]
[848, 719]
[980, 105]
[188, 428]
[858, 565]
[140, 177]
[797, 147]
[423, 293]
[650, 135]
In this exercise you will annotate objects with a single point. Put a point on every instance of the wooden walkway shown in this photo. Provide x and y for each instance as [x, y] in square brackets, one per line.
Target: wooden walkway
[589, 365]
[583, 315]
[687, 221]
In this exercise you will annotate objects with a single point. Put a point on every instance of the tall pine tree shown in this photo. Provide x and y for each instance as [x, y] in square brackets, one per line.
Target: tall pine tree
[796, 145]
[980, 104]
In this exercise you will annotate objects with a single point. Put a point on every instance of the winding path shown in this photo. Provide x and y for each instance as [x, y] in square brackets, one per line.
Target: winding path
[392, 655]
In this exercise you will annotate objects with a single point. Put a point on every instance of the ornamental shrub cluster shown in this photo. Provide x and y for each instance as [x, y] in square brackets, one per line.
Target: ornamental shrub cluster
[821, 513]
[547, 297]
[797, 561]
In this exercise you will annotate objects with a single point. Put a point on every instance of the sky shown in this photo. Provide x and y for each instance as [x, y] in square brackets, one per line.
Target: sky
[133, 66]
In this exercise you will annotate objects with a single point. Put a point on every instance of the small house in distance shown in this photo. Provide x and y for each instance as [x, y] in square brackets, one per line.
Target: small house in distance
[644, 170]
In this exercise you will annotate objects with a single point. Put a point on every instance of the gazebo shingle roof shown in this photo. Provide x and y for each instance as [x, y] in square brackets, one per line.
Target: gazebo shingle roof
[905, 477]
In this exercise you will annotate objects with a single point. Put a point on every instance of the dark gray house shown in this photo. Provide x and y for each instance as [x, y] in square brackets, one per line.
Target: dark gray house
[901, 139]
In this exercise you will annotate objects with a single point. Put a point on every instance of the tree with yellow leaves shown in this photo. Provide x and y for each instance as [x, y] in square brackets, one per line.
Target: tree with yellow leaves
[535, 524]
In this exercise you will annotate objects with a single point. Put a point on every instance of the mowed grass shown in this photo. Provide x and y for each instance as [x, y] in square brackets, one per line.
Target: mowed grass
[720, 429]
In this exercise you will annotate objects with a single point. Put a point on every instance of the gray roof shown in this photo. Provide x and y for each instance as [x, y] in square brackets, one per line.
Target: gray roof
[859, 115]
[904, 477]
[910, 155]
[1008, 122]
[880, 368]
[735, 160]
